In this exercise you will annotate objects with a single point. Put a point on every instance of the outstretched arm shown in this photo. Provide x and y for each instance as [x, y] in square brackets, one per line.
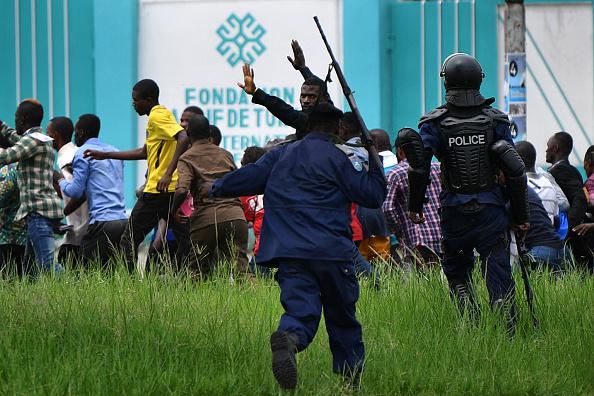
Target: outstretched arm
[130, 155]
[247, 180]
[23, 149]
[8, 135]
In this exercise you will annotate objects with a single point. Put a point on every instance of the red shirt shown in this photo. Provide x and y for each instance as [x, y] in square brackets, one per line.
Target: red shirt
[253, 208]
[355, 224]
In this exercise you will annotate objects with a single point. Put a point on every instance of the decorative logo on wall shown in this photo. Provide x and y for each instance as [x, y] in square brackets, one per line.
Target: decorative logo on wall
[241, 39]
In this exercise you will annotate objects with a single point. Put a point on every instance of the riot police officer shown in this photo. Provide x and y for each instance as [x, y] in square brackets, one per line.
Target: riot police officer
[473, 142]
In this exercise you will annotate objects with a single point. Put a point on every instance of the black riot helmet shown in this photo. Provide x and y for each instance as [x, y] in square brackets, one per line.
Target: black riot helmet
[461, 71]
[463, 76]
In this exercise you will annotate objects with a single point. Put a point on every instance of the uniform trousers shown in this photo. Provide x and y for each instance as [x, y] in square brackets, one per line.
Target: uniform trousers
[482, 227]
[309, 287]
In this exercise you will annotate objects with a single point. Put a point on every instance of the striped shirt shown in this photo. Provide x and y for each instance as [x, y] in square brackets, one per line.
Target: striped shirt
[35, 156]
[395, 209]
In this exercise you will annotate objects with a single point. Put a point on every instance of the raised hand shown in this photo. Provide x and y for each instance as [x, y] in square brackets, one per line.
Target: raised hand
[299, 58]
[249, 86]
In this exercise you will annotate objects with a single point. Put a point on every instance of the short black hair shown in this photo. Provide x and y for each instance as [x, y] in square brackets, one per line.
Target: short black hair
[147, 88]
[32, 111]
[589, 156]
[315, 81]
[564, 141]
[381, 139]
[324, 117]
[351, 124]
[252, 154]
[198, 127]
[215, 134]
[194, 109]
[527, 152]
[63, 126]
[90, 124]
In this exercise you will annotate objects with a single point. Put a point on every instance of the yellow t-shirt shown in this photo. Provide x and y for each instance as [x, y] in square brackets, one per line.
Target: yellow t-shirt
[161, 130]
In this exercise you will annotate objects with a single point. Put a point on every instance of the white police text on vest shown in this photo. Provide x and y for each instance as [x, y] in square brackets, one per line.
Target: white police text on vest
[467, 140]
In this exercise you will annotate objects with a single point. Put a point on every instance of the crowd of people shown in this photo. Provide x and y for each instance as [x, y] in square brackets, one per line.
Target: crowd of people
[319, 209]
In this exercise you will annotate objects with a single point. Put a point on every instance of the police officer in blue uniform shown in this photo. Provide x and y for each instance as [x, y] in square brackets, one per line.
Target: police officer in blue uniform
[308, 187]
[473, 142]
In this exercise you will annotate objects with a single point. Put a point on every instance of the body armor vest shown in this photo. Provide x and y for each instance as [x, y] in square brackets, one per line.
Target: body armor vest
[466, 164]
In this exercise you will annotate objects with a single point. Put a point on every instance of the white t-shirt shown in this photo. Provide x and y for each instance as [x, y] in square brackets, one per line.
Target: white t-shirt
[389, 160]
[79, 219]
[546, 193]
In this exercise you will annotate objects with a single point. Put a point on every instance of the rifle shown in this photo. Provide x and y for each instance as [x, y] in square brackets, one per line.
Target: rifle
[348, 93]
[524, 260]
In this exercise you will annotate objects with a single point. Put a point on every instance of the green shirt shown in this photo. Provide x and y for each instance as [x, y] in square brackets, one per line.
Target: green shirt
[35, 156]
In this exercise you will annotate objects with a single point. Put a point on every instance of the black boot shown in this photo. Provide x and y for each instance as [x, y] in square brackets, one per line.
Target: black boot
[464, 294]
[284, 364]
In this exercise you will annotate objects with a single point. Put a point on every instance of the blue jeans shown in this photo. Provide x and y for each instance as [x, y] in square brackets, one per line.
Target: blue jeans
[552, 257]
[40, 243]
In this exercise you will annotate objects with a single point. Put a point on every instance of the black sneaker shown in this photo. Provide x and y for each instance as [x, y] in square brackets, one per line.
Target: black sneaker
[284, 364]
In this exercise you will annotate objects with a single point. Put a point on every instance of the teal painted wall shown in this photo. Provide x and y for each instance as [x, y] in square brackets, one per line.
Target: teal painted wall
[392, 50]
[76, 57]
[114, 76]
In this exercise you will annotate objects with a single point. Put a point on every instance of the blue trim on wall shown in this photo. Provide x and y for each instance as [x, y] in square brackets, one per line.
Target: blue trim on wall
[116, 48]
[8, 66]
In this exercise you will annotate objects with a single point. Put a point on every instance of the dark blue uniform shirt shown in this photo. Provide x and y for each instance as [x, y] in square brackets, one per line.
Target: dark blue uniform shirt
[430, 135]
[308, 188]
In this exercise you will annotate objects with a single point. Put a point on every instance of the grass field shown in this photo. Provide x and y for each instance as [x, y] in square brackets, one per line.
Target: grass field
[99, 334]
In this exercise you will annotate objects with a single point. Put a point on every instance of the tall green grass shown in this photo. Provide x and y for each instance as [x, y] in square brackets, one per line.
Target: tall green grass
[98, 333]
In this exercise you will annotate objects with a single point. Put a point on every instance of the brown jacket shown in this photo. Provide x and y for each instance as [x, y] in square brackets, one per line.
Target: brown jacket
[206, 162]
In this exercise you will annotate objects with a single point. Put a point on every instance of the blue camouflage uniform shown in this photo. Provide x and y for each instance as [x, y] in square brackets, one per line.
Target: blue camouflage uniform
[308, 187]
[485, 230]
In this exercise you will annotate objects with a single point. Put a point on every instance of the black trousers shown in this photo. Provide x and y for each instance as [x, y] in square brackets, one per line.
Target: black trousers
[11, 259]
[101, 241]
[69, 253]
[583, 249]
[148, 210]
